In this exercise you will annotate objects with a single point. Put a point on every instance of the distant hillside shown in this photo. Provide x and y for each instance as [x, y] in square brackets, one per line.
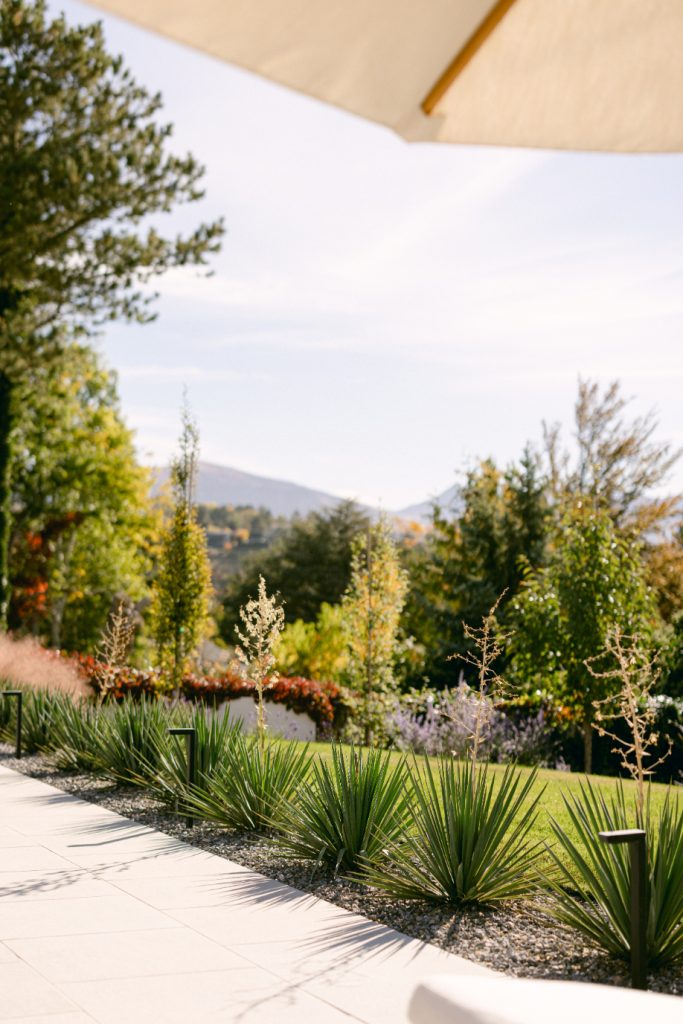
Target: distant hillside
[422, 512]
[222, 485]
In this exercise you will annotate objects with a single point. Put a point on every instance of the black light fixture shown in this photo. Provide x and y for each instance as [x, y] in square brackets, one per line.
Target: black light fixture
[635, 838]
[19, 695]
[191, 735]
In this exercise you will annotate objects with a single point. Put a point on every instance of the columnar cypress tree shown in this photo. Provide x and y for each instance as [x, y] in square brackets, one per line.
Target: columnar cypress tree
[183, 585]
[371, 610]
[5, 478]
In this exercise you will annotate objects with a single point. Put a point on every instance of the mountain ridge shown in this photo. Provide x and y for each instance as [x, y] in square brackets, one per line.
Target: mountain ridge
[225, 485]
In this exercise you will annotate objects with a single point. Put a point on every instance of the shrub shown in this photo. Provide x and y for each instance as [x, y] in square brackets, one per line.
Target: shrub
[254, 786]
[469, 841]
[77, 737]
[6, 712]
[121, 681]
[325, 702]
[41, 713]
[131, 734]
[214, 738]
[528, 740]
[25, 664]
[591, 892]
[350, 808]
[443, 724]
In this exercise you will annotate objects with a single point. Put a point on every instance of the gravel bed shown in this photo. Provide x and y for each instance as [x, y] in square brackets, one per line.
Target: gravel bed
[516, 939]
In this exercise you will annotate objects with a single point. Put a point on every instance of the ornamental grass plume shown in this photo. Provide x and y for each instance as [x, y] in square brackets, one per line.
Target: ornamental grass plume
[263, 620]
[25, 663]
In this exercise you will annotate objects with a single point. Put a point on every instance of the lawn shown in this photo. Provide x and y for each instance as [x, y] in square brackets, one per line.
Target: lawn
[555, 785]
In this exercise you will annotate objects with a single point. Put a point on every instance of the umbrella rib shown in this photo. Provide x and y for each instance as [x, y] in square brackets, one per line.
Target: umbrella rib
[465, 55]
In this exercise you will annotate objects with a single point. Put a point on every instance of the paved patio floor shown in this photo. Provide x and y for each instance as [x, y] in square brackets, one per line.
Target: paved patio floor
[103, 919]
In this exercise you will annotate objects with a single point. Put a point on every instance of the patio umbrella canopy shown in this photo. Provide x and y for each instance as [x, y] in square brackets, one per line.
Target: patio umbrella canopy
[603, 75]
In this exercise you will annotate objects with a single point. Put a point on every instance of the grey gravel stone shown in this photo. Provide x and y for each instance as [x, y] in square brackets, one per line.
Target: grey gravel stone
[516, 939]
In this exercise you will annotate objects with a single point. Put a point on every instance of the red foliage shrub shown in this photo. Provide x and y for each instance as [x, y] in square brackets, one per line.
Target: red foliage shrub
[323, 701]
[135, 681]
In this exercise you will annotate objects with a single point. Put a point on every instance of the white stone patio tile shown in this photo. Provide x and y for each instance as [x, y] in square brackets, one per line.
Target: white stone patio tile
[251, 996]
[180, 863]
[109, 843]
[16, 794]
[188, 891]
[23, 992]
[37, 825]
[31, 858]
[376, 990]
[359, 946]
[117, 913]
[124, 954]
[72, 883]
[51, 1018]
[252, 911]
[6, 954]
[10, 837]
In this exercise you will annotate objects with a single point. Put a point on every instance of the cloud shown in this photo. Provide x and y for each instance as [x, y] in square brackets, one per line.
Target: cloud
[189, 374]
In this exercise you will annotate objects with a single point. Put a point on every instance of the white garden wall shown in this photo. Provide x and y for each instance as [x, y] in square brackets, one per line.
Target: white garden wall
[281, 722]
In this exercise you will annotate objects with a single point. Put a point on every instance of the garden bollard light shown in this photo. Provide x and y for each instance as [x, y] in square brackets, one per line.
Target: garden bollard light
[20, 697]
[191, 735]
[635, 839]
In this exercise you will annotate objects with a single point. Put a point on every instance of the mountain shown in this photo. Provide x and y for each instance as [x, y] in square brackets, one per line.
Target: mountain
[222, 485]
[423, 510]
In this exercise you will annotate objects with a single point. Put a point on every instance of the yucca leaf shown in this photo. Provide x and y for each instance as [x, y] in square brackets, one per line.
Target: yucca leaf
[352, 804]
[469, 840]
[591, 889]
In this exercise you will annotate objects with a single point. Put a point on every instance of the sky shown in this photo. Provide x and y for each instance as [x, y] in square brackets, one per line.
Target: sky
[383, 314]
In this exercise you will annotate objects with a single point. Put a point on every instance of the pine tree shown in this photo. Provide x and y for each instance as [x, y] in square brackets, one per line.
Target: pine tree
[83, 163]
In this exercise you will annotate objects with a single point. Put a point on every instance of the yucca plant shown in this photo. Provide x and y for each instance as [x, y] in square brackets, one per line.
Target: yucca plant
[214, 738]
[130, 737]
[351, 807]
[591, 887]
[254, 784]
[41, 712]
[469, 841]
[76, 736]
[6, 713]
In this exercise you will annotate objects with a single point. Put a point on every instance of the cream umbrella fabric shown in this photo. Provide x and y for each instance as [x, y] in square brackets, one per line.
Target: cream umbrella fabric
[603, 75]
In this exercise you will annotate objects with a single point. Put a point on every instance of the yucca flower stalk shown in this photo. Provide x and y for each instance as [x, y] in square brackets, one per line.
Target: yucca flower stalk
[112, 653]
[263, 620]
[488, 643]
[636, 672]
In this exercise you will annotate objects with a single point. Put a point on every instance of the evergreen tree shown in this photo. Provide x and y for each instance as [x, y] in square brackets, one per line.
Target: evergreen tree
[474, 553]
[371, 612]
[82, 164]
[308, 565]
[182, 587]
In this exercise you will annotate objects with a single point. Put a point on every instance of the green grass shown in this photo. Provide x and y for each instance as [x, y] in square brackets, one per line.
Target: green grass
[551, 804]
